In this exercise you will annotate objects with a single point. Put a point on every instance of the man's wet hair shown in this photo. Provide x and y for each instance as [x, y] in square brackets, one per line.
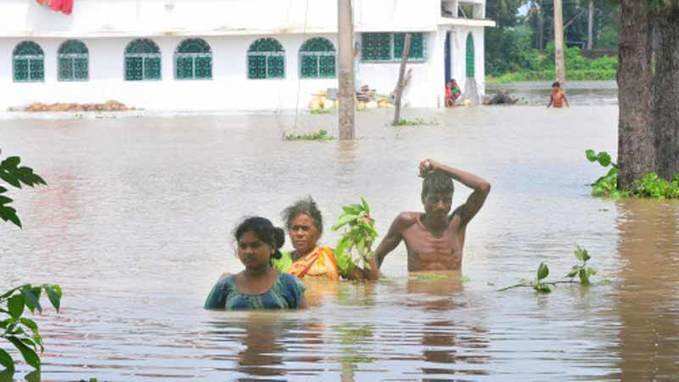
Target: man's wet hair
[556, 84]
[437, 182]
[305, 206]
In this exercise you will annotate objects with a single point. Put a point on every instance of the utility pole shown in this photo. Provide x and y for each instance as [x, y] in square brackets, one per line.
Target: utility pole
[590, 26]
[558, 42]
[346, 93]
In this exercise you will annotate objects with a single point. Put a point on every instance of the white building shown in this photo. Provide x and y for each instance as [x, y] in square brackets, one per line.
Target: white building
[230, 54]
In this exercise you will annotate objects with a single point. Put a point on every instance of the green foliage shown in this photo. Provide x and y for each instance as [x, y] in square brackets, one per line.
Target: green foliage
[320, 111]
[653, 186]
[15, 175]
[320, 135]
[581, 270]
[22, 332]
[535, 65]
[539, 285]
[358, 234]
[415, 122]
[607, 185]
[521, 44]
[16, 329]
[649, 186]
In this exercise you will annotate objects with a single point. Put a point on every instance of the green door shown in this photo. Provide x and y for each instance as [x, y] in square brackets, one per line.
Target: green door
[471, 64]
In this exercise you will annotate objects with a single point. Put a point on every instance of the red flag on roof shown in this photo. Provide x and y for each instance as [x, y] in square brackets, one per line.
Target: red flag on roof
[64, 6]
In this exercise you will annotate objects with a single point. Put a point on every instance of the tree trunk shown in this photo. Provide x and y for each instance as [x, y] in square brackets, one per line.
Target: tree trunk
[560, 60]
[398, 92]
[590, 26]
[666, 94]
[636, 151]
[347, 91]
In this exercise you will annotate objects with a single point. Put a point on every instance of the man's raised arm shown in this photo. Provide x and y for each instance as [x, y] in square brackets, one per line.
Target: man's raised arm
[480, 186]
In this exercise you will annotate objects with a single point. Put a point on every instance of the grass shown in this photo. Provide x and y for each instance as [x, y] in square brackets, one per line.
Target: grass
[320, 135]
[548, 75]
[320, 111]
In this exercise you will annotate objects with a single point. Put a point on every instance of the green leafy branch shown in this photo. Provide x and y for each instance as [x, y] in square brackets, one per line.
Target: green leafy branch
[20, 331]
[606, 185]
[358, 234]
[14, 175]
[649, 186]
[541, 285]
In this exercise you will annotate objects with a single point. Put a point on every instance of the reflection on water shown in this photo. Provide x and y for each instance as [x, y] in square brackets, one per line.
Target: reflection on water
[136, 219]
[648, 303]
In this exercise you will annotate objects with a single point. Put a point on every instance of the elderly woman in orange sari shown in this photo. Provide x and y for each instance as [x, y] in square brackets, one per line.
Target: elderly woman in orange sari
[308, 259]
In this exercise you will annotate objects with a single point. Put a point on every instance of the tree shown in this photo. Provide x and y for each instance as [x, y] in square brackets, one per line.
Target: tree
[636, 150]
[648, 128]
[16, 329]
[666, 87]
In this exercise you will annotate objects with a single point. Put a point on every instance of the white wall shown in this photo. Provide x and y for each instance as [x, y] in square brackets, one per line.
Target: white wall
[229, 89]
[459, 53]
[229, 26]
[126, 18]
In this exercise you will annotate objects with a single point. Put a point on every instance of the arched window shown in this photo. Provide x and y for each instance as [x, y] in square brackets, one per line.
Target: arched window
[142, 60]
[73, 61]
[470, 57]
[266, 59]
[193, 60]
[317, 57]
[28, 62]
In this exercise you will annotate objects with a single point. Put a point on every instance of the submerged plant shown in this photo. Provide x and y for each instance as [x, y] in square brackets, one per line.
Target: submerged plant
[358, 234]
[415, 122]
[320, 135]
[581, 270]
[320, 111]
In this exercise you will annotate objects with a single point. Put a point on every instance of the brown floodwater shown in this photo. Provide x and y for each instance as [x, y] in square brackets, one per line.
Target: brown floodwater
[135, 225]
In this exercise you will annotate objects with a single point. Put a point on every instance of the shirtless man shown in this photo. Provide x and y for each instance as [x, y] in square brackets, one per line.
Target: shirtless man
[435, 239]
[558, 96]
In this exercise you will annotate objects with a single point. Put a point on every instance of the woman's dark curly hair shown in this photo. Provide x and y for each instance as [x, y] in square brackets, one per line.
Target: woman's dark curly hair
[305, 206]
[264, 230]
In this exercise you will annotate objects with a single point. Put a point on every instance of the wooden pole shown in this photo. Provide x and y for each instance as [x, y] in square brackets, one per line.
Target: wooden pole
[590, 26]
[346, 93]
[558, 42]
[401, 80]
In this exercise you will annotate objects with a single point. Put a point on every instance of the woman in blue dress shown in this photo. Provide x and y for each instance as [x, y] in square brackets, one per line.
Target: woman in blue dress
[259, 286]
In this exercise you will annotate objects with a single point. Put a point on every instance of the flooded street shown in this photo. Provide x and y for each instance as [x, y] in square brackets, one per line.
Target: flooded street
[135, 225]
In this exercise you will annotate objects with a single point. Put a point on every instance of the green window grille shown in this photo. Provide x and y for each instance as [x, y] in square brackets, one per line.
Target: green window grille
[73, 61]
[389, 46]
[318, 59]
[376, 47]
[416, 46]
[28, 62]
[193, 60]
[266, 59]
[471, 64]
[142, 61]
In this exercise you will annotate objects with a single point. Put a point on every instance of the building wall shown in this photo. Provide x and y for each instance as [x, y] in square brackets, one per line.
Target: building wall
[229, 89]
[229, 26]
[210, 17]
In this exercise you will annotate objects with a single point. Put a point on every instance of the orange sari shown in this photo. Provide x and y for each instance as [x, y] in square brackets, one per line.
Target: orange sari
[319, 263]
